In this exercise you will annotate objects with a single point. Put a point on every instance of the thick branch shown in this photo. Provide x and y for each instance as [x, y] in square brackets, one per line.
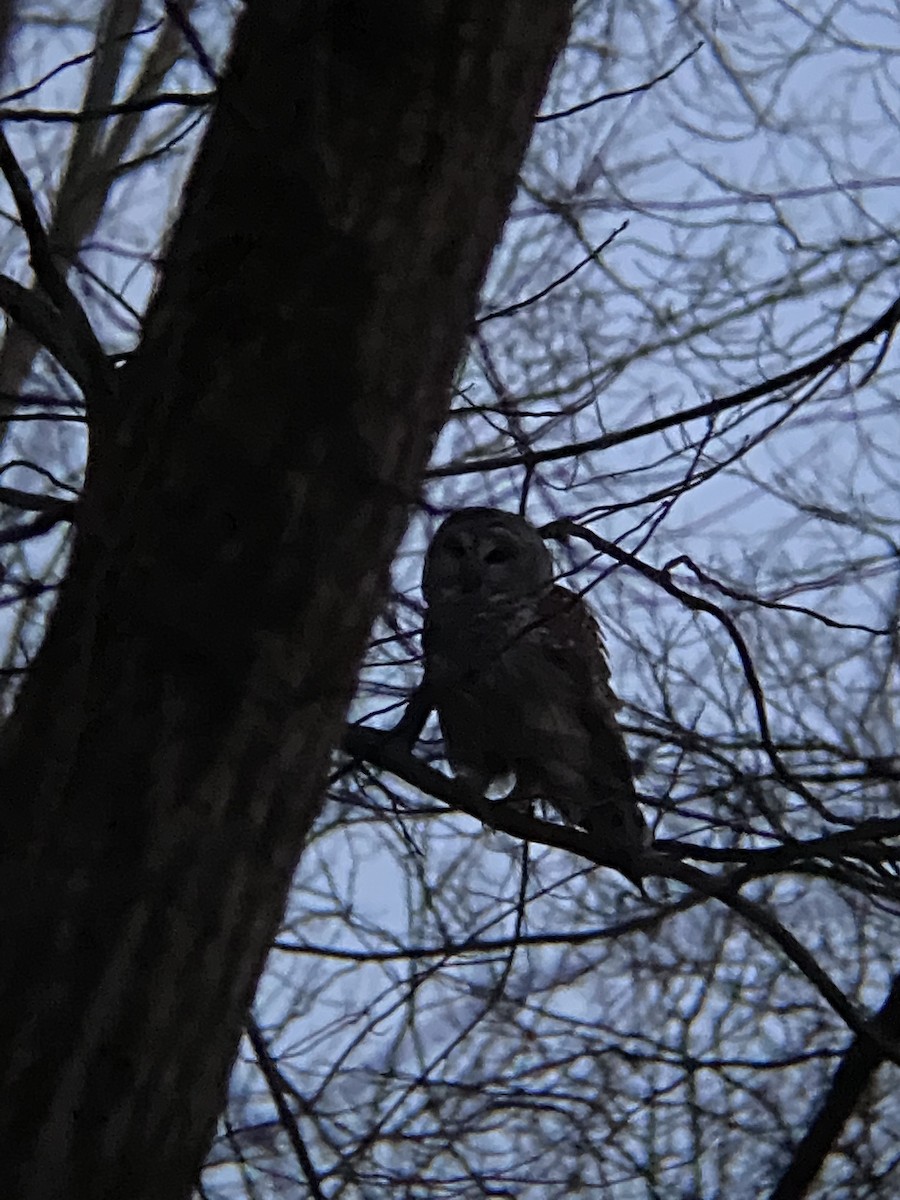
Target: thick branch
[851, 1079]
[101, 385]
[39, 318]
[99, 149]
[385, 750]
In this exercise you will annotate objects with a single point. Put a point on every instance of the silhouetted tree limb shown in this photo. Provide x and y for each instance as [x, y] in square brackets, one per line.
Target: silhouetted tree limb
[882, 327]
[34, 314]
[74, 324]
[850, 1080]
[96, 160]
[67, 116]
[384, 749]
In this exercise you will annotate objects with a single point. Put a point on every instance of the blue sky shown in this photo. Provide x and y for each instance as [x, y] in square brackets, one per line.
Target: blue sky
[760, 183]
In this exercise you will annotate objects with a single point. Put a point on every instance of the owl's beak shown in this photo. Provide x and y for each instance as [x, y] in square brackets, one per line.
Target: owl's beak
[469, 575]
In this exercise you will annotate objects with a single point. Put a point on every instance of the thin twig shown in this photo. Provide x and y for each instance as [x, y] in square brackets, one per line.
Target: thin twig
[272, 1076]
[567, 528]
[836, 356]
[381, 749]
[511, 309]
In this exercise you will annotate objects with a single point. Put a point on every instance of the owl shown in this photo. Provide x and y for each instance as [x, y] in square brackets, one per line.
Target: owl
[517, 671]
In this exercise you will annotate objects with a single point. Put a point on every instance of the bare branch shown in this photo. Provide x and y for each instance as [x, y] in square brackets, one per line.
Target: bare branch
[383, 750]
[619, 95]
[56, 116]
[882, 326]
[272, 1076]
[46, 324]
[100, 375]
[863, 1057]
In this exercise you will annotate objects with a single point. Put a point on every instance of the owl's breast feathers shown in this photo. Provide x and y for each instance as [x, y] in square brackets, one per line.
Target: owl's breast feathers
[476, 672]
[522, 685]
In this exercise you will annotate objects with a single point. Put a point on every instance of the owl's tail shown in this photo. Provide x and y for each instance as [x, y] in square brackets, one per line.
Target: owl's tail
[618, 826]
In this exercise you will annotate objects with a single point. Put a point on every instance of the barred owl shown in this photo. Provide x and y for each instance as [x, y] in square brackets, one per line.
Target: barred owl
[517, 671]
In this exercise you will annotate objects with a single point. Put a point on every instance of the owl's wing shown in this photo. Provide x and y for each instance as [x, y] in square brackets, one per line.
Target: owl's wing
[571, 638]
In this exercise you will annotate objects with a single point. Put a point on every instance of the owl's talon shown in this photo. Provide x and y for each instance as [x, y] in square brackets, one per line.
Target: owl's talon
[518, 803]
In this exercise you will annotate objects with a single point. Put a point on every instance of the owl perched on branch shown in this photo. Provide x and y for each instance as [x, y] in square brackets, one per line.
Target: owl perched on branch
[516, 669]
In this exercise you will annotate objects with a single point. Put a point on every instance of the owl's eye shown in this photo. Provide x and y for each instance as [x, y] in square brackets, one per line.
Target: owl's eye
[499, 554]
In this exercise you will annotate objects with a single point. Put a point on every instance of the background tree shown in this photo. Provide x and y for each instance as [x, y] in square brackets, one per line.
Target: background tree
[681, 365]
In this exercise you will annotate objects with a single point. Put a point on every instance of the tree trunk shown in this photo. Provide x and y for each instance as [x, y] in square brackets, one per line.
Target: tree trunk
[240, 512]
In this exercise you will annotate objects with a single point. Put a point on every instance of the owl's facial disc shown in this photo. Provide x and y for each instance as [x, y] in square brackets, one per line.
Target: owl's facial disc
[478, 562]
[483, 554]
[473, 561]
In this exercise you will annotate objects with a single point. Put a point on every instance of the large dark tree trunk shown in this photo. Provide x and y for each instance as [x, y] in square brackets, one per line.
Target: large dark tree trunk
[240, 512]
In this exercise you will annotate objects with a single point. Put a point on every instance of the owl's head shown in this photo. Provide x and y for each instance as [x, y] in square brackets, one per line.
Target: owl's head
[485, 552]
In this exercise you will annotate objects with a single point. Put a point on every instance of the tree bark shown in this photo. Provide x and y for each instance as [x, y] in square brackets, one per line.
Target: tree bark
[240, 511]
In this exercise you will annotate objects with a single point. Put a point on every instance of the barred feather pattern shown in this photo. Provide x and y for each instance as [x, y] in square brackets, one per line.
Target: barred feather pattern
[521, 681]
